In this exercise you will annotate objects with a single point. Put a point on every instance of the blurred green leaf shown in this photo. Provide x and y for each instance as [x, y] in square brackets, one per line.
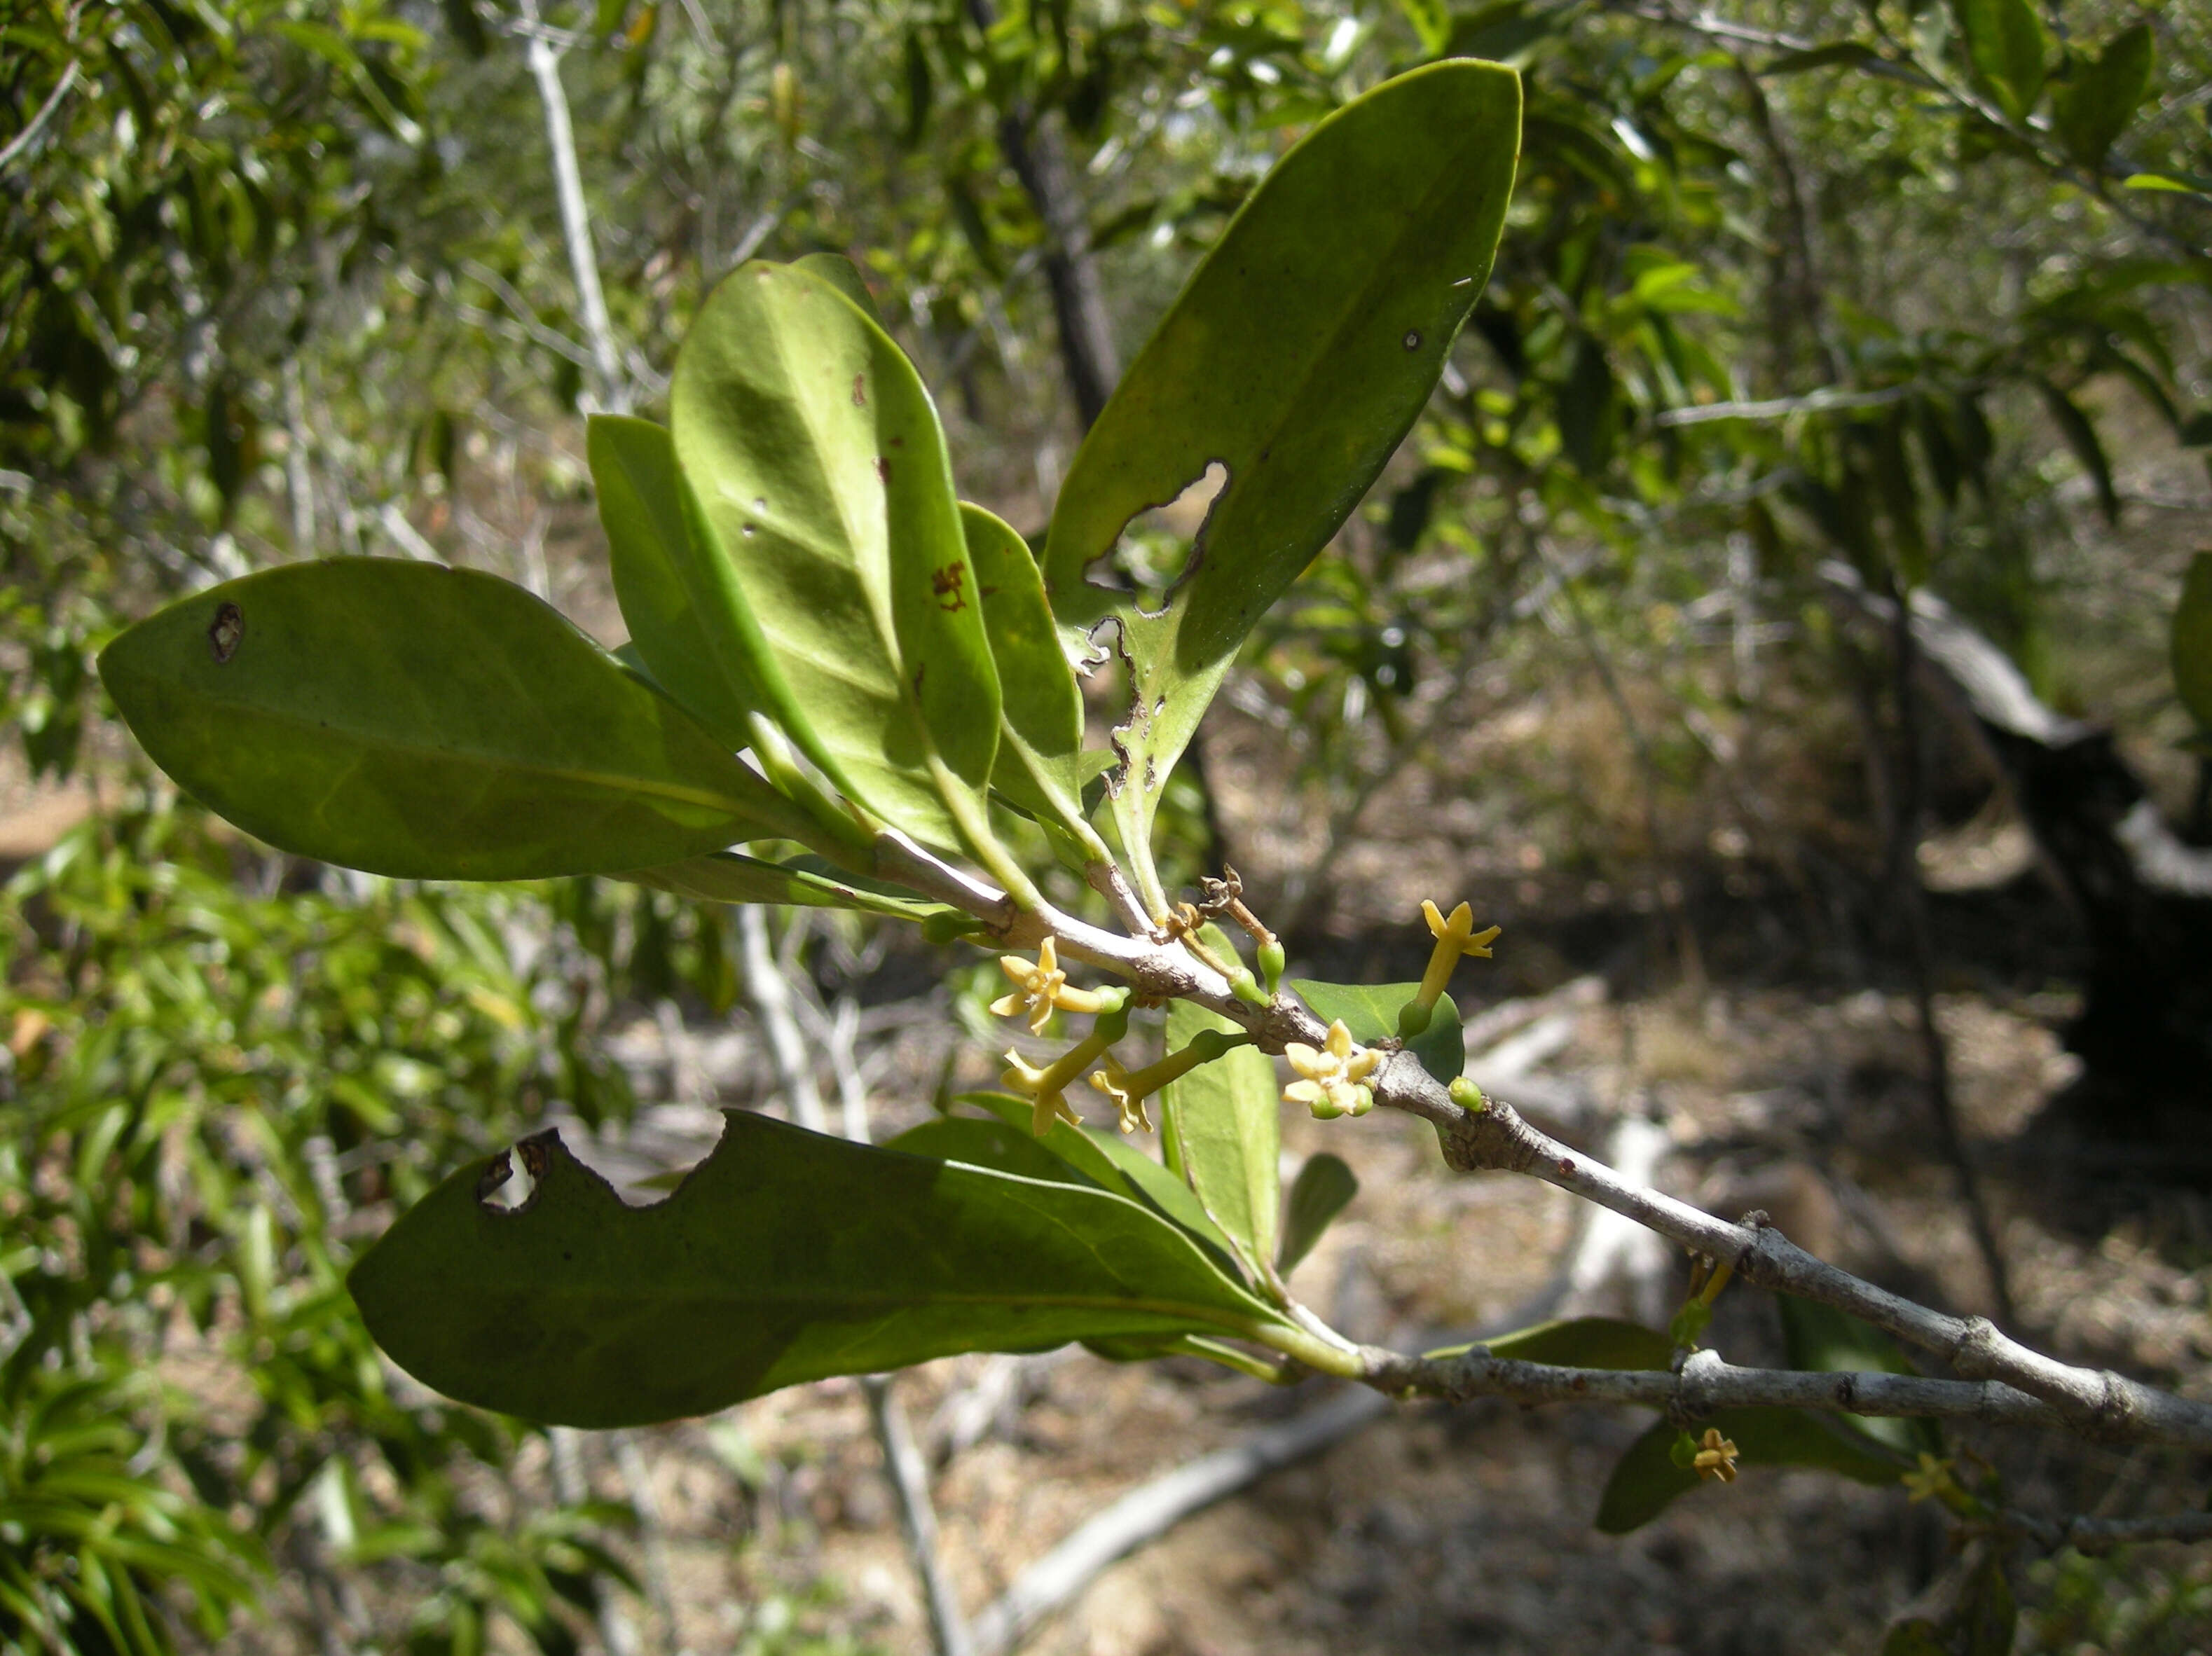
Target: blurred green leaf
[415, 721]
[2005, 46]
[787, 1256]
[2192, 642]
[2081, 434]
[2093, 109]
[1823, 1340]
[826, 561]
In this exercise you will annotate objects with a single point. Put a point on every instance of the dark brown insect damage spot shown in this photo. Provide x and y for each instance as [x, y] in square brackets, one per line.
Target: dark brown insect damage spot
[860, 390]
[884, 469]
[495, 1176]
[944, 585]
[225, 631]
[920, 669]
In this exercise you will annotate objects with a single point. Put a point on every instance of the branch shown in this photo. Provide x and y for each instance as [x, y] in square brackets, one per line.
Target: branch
[37, 124]
[2102, 1535]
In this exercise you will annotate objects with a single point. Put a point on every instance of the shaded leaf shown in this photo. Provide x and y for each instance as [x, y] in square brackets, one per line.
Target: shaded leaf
[641, 497]
[2093, 108]
[1041, 764]
[1823, 1340]
[1297, 356]
[827, 561]
[845, 276]
[1370, 1011]
[1812, 57]
[2192, 642]
[785, 1256]
[2005, 47]
[1227, 1133]
[727, 878]
[1321, 1191]
[1001, 1146]
[2081, 435]
[1967, 1611]
[414, 721]
[1646, 1481]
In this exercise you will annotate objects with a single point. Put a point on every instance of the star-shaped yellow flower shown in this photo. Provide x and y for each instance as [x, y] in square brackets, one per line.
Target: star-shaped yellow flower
[1933, 1479]
[1715, 1457]
[1455, 935]
[1044, 1088]
[1113, 1081]
[1331, 1074]
[1043, 986]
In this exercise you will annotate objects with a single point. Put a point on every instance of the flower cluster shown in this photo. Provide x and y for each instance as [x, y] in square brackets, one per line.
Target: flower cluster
[1331, 1074]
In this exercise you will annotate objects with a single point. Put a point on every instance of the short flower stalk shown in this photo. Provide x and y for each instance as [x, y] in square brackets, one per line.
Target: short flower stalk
[1046, 1089]
[1455, 937]
[1129, 1088]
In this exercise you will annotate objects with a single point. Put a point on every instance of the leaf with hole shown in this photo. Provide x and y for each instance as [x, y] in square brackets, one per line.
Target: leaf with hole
[1226, 1131]
[1370, 1011]
[827, 562]
[415, 721]
[640, 496]
[785, 1256]
[1296, 357]
[1324, 1186]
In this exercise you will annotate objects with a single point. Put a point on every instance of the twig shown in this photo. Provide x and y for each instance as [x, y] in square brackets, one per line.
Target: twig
[1781, 408]
[909, 1480]
[575, 220]
[2102, 1535]
[37, 124]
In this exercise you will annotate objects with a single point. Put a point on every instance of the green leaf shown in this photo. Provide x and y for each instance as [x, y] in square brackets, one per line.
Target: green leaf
[1227, 1132]
[2094, 108]
[1112, 1162]
[415, 721]
[1646, 1481]
[827, 561]
[1000, 1146]
[1321, 1191]
[1579, 1342]
[1297, 356]
[2081, 434]
[642, 508]
[785, 1256]
[2005, 47]
[727, 877]
[844, 275]
[2192, 642]
[1370, 1011]
[1823, 1340]
[1432, 23]
[1041, 760]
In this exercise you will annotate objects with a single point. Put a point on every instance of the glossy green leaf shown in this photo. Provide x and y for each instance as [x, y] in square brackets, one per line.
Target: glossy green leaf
[2081, 434]
[1041, 759]
[844, 275]
[415, 721]
[1579, 1342]
[1646, 1481]
[1370, 1011]
[785, 1256]
[1823, 1340]
[2093, 109]
[1227, 1130]
[1297, 356]
[727, 877]
[826, 561]
[1321, 1191]
[2005, 47]
[2192, 642]
[640, 496]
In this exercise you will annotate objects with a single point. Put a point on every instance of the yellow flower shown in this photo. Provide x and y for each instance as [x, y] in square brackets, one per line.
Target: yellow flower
[1043, 1088]
[1455, 937]
[1043, 986]
[1715, 1457]
[1933, 1479]
[1331, 1075]
[1114, 1082]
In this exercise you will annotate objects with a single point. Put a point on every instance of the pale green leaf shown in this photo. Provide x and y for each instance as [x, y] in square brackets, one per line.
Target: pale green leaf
[1321, 1191]
[1226, 1125]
